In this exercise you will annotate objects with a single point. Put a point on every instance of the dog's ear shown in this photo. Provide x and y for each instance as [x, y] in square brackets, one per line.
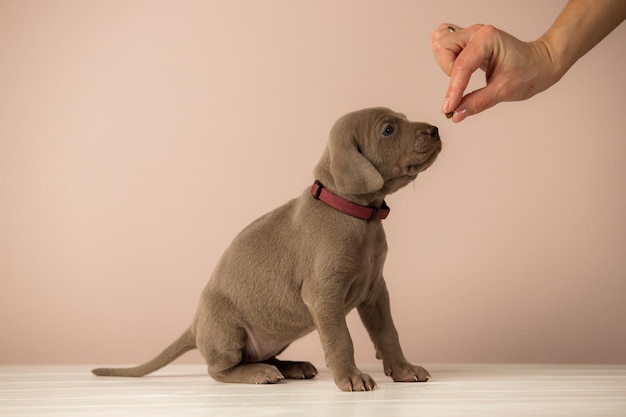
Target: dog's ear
[352, 172]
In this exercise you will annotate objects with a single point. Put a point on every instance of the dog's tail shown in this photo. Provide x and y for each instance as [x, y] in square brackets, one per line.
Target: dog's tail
[184, 343]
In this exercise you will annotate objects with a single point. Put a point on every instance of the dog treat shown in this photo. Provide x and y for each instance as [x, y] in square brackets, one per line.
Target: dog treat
[449, 114]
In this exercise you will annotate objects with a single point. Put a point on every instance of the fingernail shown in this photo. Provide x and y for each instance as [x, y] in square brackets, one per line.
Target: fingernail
[445, 107]
[459, 115]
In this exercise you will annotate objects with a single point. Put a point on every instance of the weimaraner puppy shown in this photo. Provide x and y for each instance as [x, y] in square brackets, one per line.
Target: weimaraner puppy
[306, 264]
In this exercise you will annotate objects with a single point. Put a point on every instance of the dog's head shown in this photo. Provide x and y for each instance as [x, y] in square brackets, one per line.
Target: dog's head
[374, 152]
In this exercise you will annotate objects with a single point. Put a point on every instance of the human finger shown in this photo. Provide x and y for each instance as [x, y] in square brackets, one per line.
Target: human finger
[470, 59]
[476, 102]
[445, 47]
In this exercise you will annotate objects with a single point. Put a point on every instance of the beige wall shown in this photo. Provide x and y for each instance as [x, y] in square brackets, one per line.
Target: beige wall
[138, 137]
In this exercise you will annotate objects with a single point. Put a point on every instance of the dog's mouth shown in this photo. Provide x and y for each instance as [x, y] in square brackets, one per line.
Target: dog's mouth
[408, 174]
[424, 160]
[414, 162]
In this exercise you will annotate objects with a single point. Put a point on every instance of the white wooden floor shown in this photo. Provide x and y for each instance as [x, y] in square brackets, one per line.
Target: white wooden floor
[185, 390]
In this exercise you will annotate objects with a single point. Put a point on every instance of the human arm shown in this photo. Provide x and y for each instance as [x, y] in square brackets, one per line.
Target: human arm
[517, 70]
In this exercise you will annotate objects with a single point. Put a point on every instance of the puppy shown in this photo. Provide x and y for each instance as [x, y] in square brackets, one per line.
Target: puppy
[306, 264]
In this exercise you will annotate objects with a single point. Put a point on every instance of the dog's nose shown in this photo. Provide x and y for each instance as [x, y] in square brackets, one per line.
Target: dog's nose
[433, 131]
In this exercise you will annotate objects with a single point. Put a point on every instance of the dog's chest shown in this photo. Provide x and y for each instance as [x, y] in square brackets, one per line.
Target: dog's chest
[368, 262]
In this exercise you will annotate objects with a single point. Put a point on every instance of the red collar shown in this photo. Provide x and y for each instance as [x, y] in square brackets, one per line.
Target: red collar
[362, 212]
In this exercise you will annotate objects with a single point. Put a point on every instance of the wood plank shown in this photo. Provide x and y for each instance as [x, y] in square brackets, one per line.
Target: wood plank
[186, 390]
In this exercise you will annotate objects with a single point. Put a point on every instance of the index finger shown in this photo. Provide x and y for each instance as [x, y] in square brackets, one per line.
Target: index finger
[466, 63]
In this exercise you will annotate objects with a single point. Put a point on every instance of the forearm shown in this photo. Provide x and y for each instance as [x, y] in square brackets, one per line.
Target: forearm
[581, 25]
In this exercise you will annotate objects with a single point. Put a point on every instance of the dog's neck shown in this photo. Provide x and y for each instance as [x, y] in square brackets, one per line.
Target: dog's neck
[369, 213]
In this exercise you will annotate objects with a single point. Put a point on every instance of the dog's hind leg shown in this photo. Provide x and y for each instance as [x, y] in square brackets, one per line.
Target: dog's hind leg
[222, 343]
[294, 370]
[248, 373]
[224, 359]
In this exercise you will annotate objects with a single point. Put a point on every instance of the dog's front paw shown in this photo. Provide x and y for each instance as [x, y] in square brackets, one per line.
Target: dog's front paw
[407, 373]
[356, 381]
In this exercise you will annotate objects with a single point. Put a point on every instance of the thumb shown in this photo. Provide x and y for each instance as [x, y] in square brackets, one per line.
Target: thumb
[476, 102]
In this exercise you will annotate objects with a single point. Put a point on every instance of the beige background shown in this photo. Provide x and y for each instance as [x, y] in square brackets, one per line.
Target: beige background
[138, 137]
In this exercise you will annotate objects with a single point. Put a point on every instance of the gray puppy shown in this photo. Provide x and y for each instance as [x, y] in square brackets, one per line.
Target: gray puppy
[306, 264]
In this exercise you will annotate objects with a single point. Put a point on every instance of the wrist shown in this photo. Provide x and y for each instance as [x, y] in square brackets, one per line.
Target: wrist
[554, 60]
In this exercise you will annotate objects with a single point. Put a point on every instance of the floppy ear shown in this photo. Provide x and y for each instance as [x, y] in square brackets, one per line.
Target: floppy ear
[351, 171]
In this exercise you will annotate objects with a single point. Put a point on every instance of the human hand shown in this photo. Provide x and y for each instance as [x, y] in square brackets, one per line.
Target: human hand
[515, 70]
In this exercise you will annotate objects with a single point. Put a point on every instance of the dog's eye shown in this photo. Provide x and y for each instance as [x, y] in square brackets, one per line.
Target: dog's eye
[388, 130]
